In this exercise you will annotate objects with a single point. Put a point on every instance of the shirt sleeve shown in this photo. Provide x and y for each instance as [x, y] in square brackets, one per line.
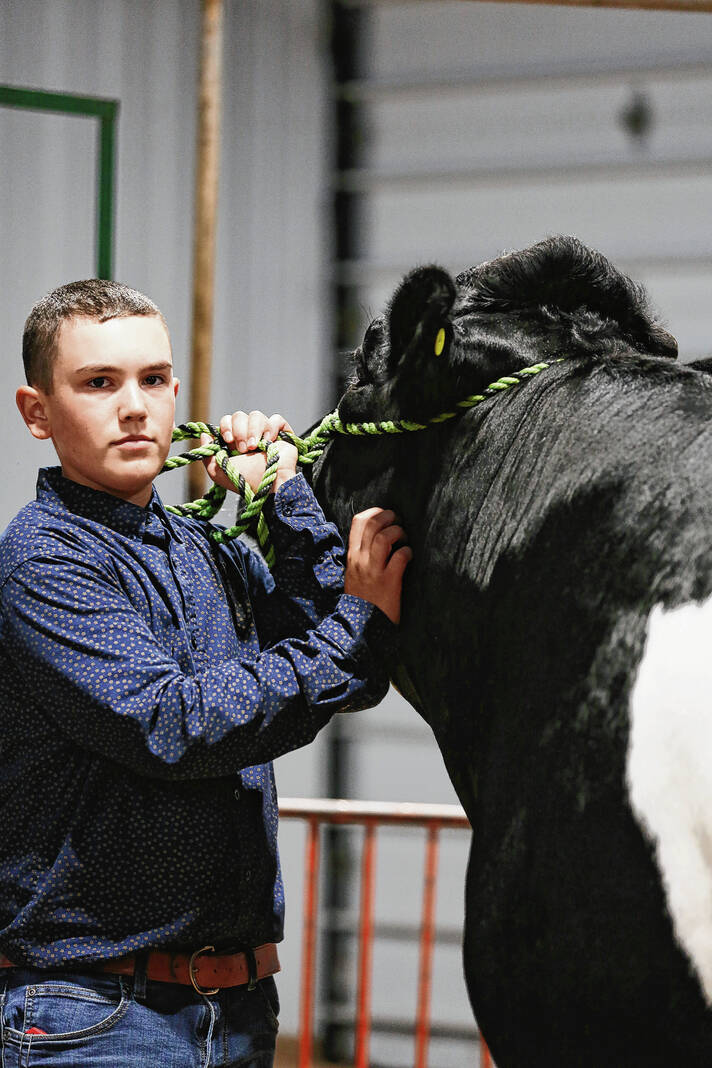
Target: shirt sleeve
[307, 578]
[109, 685]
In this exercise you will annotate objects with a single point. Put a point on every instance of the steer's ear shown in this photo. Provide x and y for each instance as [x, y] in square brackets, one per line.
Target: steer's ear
[419, 324]
[420, 343]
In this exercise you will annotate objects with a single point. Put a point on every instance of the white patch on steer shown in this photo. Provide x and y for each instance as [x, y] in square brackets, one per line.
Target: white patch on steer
[670, 769]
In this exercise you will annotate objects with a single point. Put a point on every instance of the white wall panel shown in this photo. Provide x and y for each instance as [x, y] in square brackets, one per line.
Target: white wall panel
[35, 254]
[534, 124]
[273, 314]
[145, 56]
[641, 215]
[444, 41]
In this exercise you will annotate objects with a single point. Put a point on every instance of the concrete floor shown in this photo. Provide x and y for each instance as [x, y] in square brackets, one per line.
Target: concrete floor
[287, 1050]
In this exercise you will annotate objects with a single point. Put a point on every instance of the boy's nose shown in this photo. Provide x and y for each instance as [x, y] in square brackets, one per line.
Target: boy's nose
[132, 402]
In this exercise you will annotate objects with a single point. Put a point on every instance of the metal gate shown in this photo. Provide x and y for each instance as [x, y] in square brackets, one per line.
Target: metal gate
[433, 819]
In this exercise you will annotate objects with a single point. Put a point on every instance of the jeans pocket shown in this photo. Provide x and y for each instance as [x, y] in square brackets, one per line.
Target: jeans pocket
[267, 989]
[61, 1013]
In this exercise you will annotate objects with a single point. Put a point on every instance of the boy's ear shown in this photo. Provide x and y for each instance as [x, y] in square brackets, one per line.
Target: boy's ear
[33, 410]
[176, 386]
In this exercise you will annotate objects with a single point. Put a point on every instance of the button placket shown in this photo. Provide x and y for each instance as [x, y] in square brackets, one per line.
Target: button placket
[182, 576]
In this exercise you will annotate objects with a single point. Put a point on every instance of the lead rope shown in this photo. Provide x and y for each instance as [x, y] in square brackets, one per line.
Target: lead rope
[250, 519]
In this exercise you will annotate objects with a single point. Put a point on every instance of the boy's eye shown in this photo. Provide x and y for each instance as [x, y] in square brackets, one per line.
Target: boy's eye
[155, 380]
[99, 382]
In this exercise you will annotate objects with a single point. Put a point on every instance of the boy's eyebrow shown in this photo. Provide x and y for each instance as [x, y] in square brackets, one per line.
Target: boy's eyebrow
[104, 368]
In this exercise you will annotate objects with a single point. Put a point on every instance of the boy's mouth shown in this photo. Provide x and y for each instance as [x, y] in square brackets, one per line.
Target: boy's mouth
[134, 439]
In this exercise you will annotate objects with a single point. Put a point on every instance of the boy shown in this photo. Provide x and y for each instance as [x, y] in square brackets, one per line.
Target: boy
[149, 678]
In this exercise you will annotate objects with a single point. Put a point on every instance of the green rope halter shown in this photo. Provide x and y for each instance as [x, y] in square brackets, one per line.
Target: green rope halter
[309, 449]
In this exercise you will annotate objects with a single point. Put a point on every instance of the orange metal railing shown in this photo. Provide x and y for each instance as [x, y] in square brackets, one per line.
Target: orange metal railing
[433, 818]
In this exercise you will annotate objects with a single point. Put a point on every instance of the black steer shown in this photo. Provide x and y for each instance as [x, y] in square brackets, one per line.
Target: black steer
[557, 637]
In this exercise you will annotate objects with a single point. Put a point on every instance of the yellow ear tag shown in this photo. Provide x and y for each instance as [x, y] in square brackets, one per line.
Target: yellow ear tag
[439, 341]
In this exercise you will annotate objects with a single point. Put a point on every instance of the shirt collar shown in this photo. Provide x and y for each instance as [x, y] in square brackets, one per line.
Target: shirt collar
[122, 516]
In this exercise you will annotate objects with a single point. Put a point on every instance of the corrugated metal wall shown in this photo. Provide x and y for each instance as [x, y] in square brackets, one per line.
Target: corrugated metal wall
[144, 55]
[492, 126]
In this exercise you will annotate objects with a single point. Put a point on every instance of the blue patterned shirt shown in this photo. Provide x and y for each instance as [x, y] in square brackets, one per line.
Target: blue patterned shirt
[148, 679]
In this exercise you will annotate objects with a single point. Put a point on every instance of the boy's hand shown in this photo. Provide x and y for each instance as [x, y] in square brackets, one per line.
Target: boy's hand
[242, 431]
[373, 570]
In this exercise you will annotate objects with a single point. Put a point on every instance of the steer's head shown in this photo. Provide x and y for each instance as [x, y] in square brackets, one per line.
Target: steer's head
[442, 339]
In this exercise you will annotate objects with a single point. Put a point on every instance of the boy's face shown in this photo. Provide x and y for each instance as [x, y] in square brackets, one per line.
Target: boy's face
[111, 409]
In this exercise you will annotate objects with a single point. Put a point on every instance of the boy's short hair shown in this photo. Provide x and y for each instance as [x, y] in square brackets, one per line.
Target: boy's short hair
[92, 298]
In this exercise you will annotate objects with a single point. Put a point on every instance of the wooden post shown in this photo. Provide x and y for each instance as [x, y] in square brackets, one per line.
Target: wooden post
[205, 222]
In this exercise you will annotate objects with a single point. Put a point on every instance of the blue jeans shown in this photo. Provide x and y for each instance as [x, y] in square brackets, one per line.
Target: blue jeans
[110, 1021]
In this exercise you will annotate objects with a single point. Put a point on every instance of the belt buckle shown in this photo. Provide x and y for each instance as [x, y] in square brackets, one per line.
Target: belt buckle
[191, 972]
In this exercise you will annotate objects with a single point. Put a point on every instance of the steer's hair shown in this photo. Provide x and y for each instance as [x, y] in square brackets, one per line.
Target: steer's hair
[561, 280]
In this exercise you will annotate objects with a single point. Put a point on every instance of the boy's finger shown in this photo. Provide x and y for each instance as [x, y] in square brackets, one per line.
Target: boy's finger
[255, 428]
[226, 429]
[393, 533]
[399, 561]
[375, 524]
[238, 428]
[384, 541]
[275, 424]
[209, 462]
[357, 526]
[365, 525]
[373, 519]
[211, 467]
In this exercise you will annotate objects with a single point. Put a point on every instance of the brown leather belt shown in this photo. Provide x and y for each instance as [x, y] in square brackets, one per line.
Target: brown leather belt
[205, 970]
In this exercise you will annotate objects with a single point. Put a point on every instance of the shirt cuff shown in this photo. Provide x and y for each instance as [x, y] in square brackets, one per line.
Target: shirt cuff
[294, 496]
[293, 509]
[357, 622]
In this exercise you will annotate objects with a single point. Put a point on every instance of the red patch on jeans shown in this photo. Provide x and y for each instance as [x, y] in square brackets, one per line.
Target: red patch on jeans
[35, 1031]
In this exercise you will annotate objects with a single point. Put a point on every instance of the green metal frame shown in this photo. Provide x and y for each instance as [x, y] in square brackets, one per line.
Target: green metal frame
[106, 111]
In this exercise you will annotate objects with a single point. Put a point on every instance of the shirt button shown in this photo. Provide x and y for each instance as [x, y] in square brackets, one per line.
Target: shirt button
[194, 641]
[236, 793]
